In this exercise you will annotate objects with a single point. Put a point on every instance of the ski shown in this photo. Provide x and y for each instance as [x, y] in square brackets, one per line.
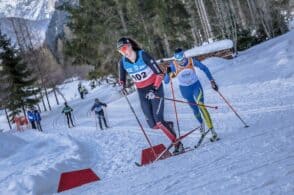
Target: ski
[186, 149]
[170, 146]
[138, 164]
[174, 143]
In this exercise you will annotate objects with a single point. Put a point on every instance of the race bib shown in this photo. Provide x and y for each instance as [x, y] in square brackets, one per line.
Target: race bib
[142, 75]
[187, 77]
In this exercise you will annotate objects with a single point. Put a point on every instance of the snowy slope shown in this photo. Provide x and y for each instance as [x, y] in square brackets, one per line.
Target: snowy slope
[256, 160]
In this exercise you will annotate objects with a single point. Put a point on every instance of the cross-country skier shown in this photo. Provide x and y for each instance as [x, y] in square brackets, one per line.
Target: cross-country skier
[67, 111]
[31, 117]
[97, 107]
[82, 90]
[37, 119]
[147, 77]
[190, 86]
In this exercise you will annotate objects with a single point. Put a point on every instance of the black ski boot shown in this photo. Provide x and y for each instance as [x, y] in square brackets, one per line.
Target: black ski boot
[179, 148]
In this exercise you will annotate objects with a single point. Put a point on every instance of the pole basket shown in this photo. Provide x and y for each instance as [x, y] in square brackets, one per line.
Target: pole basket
[148, 155]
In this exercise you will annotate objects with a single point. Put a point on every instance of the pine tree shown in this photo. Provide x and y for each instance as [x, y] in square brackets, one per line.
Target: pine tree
[96, 25]
[160, 26]
[19, 83]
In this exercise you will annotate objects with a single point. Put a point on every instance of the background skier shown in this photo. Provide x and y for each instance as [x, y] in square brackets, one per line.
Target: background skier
[82, 90]
[37, 119]
[67, 111]
[97, 107]
[31, 117]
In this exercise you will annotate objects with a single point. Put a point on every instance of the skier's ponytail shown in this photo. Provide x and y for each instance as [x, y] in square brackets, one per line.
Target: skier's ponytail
[134, 44]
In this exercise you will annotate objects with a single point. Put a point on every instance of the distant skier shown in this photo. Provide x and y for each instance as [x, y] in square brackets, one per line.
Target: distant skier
[190, 86]
[97, 107]
[147, 77]
[93, 84]
[67, 111]
[30, 114]
[37, 119]
[82, 90]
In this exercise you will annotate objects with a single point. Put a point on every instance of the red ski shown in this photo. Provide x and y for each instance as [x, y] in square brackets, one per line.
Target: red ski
[165, 153]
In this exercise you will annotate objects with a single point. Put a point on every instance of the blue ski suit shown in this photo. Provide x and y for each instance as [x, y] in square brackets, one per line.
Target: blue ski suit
[190, 86]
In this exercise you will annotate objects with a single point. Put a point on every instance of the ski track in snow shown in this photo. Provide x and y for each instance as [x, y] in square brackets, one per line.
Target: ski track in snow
[255, 160]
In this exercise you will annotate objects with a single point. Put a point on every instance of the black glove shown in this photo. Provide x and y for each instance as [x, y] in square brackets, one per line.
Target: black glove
[151, 94]
[122, 89]
[214, 85]
[168, 70]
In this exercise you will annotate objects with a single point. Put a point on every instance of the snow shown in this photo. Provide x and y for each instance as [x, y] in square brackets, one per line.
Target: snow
[205, 49]
[210, 47]
[256, 160]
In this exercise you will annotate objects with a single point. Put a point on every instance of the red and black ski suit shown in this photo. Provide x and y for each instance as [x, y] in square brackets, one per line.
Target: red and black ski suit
[147, 77]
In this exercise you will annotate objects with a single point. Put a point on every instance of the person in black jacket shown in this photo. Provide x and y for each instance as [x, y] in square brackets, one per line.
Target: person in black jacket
[147, 76]
[97, 107]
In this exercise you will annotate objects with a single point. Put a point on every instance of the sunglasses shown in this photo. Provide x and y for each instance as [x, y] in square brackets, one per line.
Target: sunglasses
[182, 61]
[123, 49]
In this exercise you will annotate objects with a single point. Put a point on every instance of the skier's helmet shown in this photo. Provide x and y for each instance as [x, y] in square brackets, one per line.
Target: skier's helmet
[121, 42]
[96, 100]
[180, 57]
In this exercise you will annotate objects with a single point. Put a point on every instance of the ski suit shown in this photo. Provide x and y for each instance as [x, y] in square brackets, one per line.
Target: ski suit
[67, 111]
[37, 119]
[82, 90]
[31, 117]
[97, 107]
[147, 76]
[190, 86]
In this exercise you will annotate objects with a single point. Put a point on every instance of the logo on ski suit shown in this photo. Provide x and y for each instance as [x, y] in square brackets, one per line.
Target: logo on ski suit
[186, 75]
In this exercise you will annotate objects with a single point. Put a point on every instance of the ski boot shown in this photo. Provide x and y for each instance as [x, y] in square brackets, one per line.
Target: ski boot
[203, 134]
[170, 125]
[214, 135]
[179, 148]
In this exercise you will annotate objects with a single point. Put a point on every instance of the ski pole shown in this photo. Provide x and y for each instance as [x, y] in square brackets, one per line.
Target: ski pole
[190, 103]
[245, 125]
[141, 126]
[175, 107]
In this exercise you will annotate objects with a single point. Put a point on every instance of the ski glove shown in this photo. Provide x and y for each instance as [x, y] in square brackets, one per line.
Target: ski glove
[151, 94]
[122, 88]
[168, 70]
[123, 91]
[214, 85]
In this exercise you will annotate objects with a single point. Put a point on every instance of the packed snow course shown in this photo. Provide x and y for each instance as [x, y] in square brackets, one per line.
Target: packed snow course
[259, 83]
